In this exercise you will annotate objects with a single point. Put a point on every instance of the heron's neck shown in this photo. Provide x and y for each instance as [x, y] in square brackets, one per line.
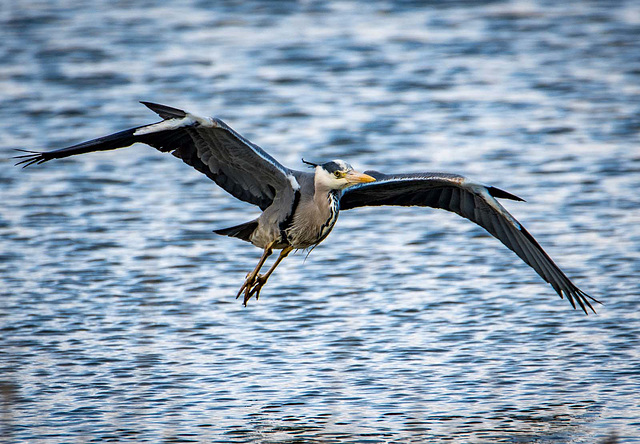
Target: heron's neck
[326, 199]
[327, 203]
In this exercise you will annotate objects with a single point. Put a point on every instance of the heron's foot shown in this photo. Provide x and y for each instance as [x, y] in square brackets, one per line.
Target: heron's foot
[251, 287]
[249, 282]
[258, 283]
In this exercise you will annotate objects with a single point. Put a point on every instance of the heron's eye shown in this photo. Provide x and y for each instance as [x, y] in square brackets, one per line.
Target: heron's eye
[337, 174]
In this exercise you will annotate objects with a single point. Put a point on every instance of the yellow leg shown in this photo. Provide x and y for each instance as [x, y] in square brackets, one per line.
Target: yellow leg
[261, 279]
[251, 277]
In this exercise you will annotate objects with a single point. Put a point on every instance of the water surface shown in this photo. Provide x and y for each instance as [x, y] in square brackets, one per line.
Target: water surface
[117, 316]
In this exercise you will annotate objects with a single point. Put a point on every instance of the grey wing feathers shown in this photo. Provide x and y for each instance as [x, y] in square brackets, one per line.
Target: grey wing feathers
[209, 145]
[472, 201]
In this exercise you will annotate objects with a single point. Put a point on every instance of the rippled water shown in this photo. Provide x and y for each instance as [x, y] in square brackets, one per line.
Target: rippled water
[117, 316]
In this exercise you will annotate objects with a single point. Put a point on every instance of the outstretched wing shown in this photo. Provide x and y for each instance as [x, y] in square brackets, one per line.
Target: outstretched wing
[209, 145]
[472, 201]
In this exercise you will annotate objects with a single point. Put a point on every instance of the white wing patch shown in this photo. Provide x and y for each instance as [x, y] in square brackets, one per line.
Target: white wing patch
[482, 190]
[294, 183]
[173, 124]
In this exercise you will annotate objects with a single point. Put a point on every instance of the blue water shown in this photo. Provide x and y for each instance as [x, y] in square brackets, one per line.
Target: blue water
[117, 313]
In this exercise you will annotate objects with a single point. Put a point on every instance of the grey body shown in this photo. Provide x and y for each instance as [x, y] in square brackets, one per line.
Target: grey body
[315, 215]
[300, 221]
[300, 208]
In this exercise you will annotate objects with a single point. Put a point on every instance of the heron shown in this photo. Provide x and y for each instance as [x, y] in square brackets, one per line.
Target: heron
[300, 208]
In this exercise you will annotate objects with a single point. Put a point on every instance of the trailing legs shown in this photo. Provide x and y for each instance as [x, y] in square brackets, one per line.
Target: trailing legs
[255, 281]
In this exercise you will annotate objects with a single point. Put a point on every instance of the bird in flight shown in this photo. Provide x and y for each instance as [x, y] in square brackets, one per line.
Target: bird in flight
[300, 208]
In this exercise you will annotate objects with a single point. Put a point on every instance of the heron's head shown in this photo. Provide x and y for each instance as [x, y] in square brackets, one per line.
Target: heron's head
[338, 175]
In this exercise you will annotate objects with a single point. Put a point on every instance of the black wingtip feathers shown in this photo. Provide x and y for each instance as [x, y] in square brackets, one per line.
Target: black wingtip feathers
[30, 158]
[581, 298]
[502, 194]
[164, 111]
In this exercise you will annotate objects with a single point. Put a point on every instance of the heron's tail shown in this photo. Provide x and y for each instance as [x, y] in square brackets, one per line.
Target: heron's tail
[242, 231]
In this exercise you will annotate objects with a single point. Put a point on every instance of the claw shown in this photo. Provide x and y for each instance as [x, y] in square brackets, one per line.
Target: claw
[247, 288]
[254, 282]
[258, 283]
[245, 285]
[252, 287]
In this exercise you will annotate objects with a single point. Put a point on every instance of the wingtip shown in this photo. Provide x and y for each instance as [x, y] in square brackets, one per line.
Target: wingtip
[583, 301]
[591, 306]
[502, 194]
[29, 158]
[164, 111]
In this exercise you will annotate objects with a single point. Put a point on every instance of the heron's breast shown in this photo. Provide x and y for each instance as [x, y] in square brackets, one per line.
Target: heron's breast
[313, 223]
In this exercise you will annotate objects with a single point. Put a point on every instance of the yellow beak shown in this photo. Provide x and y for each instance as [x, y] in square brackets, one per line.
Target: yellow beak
[355, 177]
